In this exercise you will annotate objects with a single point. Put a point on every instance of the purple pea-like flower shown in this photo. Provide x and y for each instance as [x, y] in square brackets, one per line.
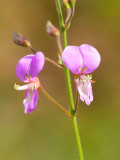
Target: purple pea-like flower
[81, 61]
[27, 70]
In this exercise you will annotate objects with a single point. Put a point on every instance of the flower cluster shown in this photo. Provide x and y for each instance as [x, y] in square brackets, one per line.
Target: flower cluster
[81, 61]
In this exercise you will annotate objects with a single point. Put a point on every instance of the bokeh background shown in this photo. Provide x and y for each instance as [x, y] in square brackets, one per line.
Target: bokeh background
[47, 133]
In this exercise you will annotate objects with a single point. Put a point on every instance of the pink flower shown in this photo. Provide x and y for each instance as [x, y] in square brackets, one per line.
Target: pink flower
[82, 60]
[27, 70]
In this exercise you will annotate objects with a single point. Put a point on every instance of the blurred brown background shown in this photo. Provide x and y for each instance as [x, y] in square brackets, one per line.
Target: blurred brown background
[47, 133]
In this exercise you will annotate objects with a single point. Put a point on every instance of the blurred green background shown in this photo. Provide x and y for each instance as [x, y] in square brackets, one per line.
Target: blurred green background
[47, 133]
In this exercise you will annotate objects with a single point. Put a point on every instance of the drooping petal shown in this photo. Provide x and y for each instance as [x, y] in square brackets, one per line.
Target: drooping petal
[37, 64]
[31, 100]
[91, 58]
[85, 89]
[23, 67]
[72, 59]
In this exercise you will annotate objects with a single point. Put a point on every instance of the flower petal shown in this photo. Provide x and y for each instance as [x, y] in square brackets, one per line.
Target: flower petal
[37, 64]
[31, 100]
[91, 58]
[23, 67]
[72, 59]
[85, 90]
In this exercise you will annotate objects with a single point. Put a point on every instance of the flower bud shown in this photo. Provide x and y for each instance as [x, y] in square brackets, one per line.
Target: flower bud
[20, 40]
[51, 30]
[71, 3]
[66, 4]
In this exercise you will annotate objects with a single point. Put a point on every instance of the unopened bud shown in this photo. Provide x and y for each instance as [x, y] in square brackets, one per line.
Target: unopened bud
[21, 40]
[66, 4]
[51, 30]
[71, 3]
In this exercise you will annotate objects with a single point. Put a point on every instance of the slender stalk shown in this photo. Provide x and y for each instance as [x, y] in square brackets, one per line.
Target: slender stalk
[48, 59]
[54, 101]
[32, 49]
[54, 62]
[59, 44]
[67, 74]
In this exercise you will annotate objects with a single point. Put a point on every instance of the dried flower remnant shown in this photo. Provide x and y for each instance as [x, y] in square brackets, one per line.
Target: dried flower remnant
[27, 70]
[82, 61]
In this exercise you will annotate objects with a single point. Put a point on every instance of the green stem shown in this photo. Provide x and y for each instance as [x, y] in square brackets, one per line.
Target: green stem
[68, 81]
[77, 100]
[77, 138]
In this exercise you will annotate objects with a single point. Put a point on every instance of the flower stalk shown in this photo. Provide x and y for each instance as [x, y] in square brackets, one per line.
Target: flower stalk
[72, 108]
[54, 32]
[59, 44]
[48, 59]
[54, 101]
[54, 62]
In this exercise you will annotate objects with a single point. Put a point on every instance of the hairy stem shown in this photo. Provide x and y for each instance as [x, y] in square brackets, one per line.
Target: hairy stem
[68, 81]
